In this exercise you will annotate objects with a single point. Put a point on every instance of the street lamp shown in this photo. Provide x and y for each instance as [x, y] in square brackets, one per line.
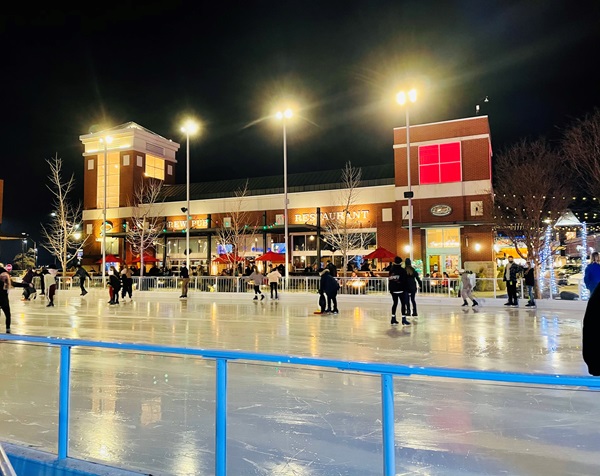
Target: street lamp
[105, 140]
[403, 98]
[283, 117]
[189, 127]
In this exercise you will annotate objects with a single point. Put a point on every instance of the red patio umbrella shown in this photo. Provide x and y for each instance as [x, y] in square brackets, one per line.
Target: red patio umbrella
[110, 259]
[227, 258]
[147, 259]
[381, 254]
[272, 257]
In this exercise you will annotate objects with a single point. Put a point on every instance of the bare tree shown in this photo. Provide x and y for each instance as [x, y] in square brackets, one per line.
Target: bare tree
[146, 222]
[62, 237]
[238, 227]
[341, 230]
[581, 146]
[532, 191]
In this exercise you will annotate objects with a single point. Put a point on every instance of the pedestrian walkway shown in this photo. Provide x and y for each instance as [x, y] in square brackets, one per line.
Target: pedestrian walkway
[126, 408]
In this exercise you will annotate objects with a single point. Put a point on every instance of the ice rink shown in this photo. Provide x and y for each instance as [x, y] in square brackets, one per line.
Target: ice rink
[156, 413]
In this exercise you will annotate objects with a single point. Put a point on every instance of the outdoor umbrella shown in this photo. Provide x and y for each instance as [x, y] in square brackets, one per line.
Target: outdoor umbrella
[381, 254]
[110, 259]
[147, 259]
[272, 257]
[227, 258]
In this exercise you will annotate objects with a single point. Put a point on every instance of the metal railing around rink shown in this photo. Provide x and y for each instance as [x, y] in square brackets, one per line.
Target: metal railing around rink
[430, 287]
[387, 373]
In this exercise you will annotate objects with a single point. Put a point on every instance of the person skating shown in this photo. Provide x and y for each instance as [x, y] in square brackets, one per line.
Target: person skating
[329, 287]
[126, 283]
[397, 287]
[258, 279]
[412, 279]
[591, 277]
[511, 272]
[184, 273]
[273, 277]
[28, 287]
[50, 283]
[114, 284]
[466, 290]
[5, 285]
[82, 274]
[529, 275]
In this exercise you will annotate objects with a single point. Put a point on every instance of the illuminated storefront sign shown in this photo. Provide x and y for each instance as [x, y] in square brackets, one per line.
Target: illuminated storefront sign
[311, 218]
[181, 224]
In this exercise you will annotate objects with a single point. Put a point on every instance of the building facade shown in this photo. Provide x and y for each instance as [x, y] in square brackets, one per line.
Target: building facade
[450, 172]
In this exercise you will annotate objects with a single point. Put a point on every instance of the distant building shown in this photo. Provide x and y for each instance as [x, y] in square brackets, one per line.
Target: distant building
[450, 176]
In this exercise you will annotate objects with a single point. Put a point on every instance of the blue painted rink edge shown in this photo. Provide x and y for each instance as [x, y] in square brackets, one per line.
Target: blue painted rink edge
[32, 462]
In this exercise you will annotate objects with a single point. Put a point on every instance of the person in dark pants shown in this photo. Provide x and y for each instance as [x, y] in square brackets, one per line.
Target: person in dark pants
[511, 272]
[5, 285]
[529, 275]
[397, 286]
[591, 334]
[273, 277]
[114, 284]
[184, 273]
[82, 274]
[329, 286]
[126, 283]
[412, 279]
[258, 279]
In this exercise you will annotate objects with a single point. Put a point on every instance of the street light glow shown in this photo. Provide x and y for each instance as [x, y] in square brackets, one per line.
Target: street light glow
[190, 127]
[403, 97]
[287, 114]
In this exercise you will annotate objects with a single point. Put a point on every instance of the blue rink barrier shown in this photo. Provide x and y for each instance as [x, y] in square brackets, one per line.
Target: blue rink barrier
[386, 372]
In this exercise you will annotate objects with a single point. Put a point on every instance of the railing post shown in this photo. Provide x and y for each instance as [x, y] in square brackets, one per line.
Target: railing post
[221, 419]
[387, 421]
[63, 401]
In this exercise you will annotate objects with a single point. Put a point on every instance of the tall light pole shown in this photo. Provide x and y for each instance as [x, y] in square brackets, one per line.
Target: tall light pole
[189, 127]
[403, 98]
[106, 140]
[283, 116]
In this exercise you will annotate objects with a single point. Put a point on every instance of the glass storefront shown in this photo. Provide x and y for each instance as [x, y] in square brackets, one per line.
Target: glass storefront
[443, 250]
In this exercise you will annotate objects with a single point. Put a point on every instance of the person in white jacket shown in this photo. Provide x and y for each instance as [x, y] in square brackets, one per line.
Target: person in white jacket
[274, 276]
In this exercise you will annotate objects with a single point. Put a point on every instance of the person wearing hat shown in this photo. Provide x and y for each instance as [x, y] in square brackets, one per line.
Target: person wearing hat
[397, 286]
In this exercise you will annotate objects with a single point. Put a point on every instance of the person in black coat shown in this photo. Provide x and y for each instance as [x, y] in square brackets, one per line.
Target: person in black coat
[114, 283]
[397, 285]
[328, 286]
[412, 279]
[591, 334]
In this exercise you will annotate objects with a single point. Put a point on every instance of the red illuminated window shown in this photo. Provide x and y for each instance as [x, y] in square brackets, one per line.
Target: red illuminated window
[440, 163]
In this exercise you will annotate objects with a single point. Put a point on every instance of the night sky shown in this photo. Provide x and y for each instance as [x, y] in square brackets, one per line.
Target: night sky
[231, 64]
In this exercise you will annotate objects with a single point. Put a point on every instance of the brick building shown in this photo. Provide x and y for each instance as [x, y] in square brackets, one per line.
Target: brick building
[450, 178]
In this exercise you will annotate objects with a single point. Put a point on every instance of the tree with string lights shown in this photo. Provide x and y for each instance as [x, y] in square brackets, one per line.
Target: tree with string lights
[532, 188]
[581, 146]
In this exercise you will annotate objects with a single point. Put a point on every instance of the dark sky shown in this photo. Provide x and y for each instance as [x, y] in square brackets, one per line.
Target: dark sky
[230, 63]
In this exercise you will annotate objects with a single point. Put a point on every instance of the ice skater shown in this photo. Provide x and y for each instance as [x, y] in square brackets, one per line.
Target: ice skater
[273, 277]
[329, 287]
[5, 285]
[50, 283]
[257, 278]
[397, 287]
[466, 290]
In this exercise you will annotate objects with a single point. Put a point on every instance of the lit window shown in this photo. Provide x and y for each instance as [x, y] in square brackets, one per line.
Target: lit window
[440, 163]
[155, 167]
[112, 177]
